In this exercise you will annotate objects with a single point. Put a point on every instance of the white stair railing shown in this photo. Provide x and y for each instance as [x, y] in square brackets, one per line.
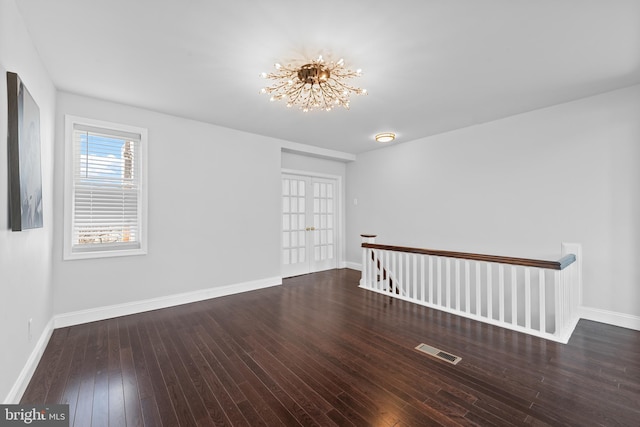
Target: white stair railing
[536, 297]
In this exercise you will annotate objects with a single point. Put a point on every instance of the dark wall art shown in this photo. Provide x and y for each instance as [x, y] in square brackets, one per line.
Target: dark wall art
[25, 176]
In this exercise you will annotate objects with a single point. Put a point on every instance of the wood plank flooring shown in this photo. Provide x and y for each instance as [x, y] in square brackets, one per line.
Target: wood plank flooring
[320, 351]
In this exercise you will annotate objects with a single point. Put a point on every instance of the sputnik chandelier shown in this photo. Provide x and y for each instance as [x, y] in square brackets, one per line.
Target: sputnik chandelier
[317, 85]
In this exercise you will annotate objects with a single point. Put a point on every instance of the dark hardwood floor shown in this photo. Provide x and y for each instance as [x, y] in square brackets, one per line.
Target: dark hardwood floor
[320, 351]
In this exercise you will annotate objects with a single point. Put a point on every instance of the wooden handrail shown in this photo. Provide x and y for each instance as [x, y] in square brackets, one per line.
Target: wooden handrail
[560, 264]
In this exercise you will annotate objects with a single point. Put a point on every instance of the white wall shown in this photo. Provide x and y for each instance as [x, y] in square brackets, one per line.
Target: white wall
[25, 257]
[314, 164]
[517, 187]
[214, 212]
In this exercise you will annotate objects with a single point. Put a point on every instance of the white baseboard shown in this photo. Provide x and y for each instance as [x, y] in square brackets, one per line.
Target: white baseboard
[622, 320]
[353, 265]
[108, 312]
[19, 387]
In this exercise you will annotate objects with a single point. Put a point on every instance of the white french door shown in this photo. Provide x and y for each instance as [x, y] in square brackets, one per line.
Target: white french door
[309, 224]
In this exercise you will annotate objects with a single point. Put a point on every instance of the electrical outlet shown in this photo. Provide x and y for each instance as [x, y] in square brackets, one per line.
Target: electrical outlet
[29, 329]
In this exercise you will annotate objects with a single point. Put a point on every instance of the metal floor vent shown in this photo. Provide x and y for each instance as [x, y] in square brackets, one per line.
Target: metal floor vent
[432, 351]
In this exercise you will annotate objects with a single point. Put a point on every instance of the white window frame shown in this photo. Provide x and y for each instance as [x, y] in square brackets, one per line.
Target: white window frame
[108, 250]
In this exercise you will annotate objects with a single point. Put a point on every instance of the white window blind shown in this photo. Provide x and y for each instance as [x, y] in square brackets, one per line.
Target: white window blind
[107, 189]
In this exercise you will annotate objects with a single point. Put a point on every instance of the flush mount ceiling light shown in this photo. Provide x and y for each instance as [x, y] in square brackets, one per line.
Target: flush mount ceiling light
[385, 137]
[317, 85]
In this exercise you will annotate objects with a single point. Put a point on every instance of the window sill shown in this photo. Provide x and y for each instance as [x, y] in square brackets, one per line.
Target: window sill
[103, 253]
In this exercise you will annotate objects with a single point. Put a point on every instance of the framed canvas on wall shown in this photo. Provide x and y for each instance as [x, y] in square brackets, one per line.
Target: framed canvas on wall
[25, 176]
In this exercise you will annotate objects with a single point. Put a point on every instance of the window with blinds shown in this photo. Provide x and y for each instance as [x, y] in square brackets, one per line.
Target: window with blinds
[106, 187]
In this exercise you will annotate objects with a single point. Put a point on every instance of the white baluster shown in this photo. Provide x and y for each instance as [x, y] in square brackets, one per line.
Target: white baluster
[457, 284]
[415, 276]
[407, 281]
[478, 289]
[371, 271]
[514, 295]
[422, 282]
[571, 278]
[430, 279]
[527, 298]
[467, 286]
[490, 291]
[568, 286]
[381, 270]
[386, 255]
[374, 268]
[375, 272]
[501, 301]
[439, 279]
[541, 290]
[392, 271]
[447, 264]
[400, 270]
[567, 300]
[559, 314]
[387, 273]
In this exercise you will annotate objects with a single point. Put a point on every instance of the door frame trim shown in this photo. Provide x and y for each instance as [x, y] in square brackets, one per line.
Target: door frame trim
[341, 239]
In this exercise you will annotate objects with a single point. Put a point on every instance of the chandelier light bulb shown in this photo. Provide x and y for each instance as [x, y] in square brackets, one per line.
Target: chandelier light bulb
[316, 85]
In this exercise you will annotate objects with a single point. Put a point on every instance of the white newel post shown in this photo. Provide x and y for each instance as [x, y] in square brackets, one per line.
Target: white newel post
[366, 259]
[573, 286]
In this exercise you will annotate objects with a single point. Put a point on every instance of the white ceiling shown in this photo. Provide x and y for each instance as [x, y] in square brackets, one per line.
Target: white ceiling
[429, 66]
